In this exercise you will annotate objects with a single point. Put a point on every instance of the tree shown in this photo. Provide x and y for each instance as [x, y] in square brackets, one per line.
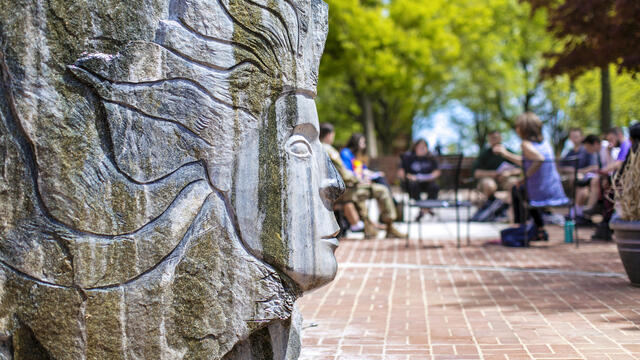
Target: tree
[585, 95]
[498, 74]
[385, 63]
[595, 33]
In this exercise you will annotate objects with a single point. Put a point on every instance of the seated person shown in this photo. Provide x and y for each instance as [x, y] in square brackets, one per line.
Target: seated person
[585, 161]
[589, 185]
[578, 161]
[543, 186]
[616, 139]
[493, 171]
[419, 170]
[358, 191]
[352, 156]
[419, 167]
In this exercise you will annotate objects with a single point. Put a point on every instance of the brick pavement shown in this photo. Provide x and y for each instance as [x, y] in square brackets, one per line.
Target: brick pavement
[551, 301]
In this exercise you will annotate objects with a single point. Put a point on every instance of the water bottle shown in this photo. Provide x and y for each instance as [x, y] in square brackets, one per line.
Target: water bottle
[569, 228]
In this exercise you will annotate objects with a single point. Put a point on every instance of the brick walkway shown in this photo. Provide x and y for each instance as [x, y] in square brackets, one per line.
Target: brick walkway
[552, 301]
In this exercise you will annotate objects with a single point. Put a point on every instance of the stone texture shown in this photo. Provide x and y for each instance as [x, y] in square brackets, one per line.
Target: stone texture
[163, 192]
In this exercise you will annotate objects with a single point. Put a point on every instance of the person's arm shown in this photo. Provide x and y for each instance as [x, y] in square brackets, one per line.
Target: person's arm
[509, 156]
[401, 174]
[516, 171]
[567, 169]
[588, 169]
[436, 173]
[479, 173]
[530, 153]
[614, 166]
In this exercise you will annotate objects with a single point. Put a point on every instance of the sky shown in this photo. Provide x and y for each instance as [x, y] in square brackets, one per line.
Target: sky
[439, 127]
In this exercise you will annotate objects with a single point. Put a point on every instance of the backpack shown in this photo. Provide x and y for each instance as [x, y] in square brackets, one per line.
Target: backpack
[514, 237]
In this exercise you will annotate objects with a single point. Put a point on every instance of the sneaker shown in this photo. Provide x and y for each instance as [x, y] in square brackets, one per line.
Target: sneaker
[359, 227]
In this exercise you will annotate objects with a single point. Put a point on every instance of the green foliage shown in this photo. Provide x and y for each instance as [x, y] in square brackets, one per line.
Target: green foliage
[498, 74]
[414, 57]
[397, 54]
[625, 94]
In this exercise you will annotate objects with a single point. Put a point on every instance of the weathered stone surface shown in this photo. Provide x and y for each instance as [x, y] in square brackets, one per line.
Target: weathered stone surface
[163, 192]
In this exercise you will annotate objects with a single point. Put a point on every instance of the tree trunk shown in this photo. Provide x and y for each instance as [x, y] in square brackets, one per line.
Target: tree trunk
[481, 130]
[605, 100]
[370, 127]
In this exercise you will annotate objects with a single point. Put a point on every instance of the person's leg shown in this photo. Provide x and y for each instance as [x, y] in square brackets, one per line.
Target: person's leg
[363, 192]
[542, 234]
[432, 189]
[488, 187]
[516, 194]
[413, 188]
[507, 184]
[594, 192]
[432, 194]
[351, 213]
[582, 195]
[536, 214]
[385, 202]
[387, 209]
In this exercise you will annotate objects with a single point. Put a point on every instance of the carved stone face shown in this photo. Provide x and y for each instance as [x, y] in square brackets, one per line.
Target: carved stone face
[235, 95]
[162, 178]
[293, 186]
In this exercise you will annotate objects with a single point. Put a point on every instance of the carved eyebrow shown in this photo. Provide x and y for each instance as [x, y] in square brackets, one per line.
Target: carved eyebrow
[290, 90]
[307, 130]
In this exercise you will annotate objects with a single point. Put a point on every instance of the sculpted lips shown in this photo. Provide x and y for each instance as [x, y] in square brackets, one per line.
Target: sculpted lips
[332, 239]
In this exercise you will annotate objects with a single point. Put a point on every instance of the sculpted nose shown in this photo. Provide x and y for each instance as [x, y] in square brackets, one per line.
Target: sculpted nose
[332, 186]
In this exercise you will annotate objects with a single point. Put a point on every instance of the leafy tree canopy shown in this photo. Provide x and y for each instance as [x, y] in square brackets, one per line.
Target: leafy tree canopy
[395, 54]
[595, 33]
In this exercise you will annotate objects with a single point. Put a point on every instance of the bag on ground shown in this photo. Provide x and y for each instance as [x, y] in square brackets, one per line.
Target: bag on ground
[515, 237]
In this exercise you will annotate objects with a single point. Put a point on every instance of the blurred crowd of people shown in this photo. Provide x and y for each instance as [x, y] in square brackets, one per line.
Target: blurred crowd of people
[585, 170]
[510, 181]
[361, 184]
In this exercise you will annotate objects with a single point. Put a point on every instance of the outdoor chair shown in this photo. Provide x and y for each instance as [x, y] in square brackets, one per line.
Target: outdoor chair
[571, 194]
[451, 173]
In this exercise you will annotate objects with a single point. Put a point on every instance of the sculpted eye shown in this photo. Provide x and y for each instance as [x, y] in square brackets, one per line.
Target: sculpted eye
[299, 146]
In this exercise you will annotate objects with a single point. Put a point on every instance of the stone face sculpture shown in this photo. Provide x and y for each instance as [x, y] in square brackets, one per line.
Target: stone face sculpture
[163, 192]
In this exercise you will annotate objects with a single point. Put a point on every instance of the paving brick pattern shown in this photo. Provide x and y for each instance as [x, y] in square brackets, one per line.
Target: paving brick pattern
[551, 301]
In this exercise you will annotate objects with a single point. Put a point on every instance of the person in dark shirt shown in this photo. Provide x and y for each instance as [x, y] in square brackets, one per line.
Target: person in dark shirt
[580, 159]
[420, 170]
[492, 169]
[585, 162]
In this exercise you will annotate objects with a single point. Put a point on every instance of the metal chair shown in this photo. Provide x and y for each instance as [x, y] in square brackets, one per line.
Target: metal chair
[454, 167]
[571, 196]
